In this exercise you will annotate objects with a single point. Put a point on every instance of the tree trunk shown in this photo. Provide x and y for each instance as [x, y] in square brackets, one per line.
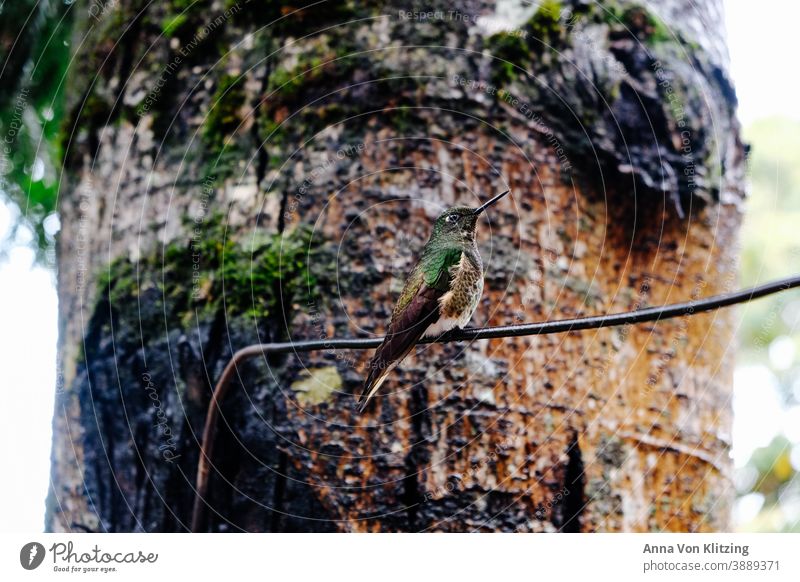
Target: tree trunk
[246, 172]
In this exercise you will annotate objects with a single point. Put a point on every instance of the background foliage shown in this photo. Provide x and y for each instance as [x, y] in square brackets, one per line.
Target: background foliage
[31, 112]
[768, 362]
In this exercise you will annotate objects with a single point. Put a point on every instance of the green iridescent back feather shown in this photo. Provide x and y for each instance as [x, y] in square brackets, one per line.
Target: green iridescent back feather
[433, 269]
[436, 266]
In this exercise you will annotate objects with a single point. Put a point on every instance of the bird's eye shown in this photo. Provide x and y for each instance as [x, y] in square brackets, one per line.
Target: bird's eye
[451, 219]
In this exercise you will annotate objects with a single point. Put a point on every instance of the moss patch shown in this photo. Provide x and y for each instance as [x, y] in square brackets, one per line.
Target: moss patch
[545, 25]
[544, 32]
[223, 117]
[510, 51]
[179, 14]
[325, 66]
[214, 272]
[638, 21]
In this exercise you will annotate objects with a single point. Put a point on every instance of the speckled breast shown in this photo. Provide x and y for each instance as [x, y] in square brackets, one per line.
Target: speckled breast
[465, 292]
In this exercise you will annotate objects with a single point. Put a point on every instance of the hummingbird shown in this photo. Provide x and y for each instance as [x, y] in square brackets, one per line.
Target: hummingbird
[440, 294]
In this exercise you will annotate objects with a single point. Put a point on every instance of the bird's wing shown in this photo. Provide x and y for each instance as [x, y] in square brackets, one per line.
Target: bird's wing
[416, 310]
[405, 329]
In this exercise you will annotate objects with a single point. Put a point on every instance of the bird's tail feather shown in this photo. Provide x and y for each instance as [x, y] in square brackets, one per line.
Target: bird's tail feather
[371, 386]
[381, 366]
[379, 372]
[404, 332]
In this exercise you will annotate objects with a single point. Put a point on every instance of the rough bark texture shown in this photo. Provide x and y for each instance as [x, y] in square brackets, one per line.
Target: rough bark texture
[273, 178]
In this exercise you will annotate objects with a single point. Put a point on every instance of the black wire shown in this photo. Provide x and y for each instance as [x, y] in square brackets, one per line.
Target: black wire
[547, 327]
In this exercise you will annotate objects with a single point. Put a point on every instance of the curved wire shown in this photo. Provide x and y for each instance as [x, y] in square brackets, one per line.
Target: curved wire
[470, 334]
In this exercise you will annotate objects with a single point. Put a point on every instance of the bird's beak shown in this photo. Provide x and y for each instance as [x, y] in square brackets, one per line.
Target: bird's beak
[483, 207]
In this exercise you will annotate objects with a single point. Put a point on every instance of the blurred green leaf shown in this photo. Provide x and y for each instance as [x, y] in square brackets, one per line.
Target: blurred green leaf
[34, 44]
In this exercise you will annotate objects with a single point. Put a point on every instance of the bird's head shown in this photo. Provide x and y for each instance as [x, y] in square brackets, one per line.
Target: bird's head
[459, 223]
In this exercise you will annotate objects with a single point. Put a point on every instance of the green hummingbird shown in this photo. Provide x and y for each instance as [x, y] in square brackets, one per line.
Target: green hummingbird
[440, 294]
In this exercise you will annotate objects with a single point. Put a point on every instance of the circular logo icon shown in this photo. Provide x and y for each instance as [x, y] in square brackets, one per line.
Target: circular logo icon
[31, 555]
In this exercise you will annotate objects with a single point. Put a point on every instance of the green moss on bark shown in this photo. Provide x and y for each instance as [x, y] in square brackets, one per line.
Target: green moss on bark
[545, 25]
[509, 51]
[223, 117]
[633, 20]
[213, 272]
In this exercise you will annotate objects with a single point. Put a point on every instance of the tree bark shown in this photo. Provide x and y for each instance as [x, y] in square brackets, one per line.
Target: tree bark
[249, 172]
